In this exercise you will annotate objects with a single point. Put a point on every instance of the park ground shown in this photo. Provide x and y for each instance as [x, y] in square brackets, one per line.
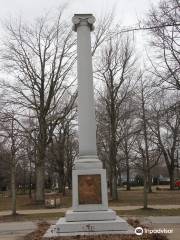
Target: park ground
[163, 203]
[131, 198]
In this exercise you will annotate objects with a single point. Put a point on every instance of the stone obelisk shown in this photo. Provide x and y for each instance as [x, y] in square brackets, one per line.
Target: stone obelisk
[89, 213]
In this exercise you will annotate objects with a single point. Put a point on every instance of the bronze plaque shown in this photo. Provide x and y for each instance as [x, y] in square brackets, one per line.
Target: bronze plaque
[89, 187]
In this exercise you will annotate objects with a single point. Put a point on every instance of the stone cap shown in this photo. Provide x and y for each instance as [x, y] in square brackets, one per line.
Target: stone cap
[83, 19]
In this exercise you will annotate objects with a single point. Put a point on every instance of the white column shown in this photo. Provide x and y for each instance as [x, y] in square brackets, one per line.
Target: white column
[83, 25]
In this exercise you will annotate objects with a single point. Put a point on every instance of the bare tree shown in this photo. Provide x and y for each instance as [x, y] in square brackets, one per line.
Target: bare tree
[40, 57]
[12, 135]
[4, 166]
[62, 152]
[127, 133]
[114, 69]
[144, 96]
[165, 125]
[164, 22]
[145, 146]
[71, 152]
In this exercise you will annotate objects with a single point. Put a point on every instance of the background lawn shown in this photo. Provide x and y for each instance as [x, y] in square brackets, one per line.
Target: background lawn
[126, 198]
[135, 197]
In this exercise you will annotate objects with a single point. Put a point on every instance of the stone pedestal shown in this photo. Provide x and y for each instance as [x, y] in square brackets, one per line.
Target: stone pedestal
[90, 213]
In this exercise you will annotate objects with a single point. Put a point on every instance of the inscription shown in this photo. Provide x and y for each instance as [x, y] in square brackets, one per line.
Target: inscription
[89, 228]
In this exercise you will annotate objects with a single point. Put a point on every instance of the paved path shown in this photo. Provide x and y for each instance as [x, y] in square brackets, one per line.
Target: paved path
[55, 210]
[175, 227]
[170, 223]
[16, 227]
[35, 211]
[167, 222]
[16, 230]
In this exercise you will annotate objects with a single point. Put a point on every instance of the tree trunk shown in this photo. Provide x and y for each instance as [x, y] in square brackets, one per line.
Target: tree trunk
[114, 185]
[127, 173]
[172, 181]
[128, 187]
[145, 191]
[13, 188]
[40, 162]
[69, 178]
[61, 187]
[119, 176]
[114, 170]
[64, 188]
[30, 179]
[109, 169]
[24, 181]
[149, 181]
[146, 168]
[40, 184]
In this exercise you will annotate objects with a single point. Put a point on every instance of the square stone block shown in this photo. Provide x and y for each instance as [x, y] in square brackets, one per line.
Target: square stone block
[88, 163]
[89, 190]
[72, 216]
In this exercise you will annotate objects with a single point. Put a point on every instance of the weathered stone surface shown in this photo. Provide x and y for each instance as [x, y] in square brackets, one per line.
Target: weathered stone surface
[87, 163]
[91, 226]
[52, 232]
[89, 189]
[95, 206]
[72, 216]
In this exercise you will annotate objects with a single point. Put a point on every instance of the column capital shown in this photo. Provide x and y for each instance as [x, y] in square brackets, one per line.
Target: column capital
[83, 20]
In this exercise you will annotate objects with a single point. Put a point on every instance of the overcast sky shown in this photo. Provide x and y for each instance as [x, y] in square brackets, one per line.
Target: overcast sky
[126, 10]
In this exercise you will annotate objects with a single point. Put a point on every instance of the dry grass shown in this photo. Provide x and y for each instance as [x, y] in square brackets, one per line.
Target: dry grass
[31, 217]
[135, 198]
[149, 212]
[126, 198]
[24, 202]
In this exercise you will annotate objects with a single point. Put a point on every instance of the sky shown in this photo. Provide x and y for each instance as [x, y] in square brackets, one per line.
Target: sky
[126, 11]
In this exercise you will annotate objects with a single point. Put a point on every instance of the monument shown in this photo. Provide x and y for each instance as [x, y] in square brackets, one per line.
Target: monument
[90, 213]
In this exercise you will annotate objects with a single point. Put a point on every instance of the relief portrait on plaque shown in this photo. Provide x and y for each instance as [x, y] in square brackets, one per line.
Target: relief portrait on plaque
[89, 189]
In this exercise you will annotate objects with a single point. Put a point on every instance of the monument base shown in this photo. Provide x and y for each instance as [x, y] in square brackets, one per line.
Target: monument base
[102, 227]
[73, 216]
[90, 214]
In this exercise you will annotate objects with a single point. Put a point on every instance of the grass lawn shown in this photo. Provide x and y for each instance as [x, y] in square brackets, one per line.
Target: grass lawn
[31, 217]
[135, 198]
[149, 212]
[24, 202]
[126, 198]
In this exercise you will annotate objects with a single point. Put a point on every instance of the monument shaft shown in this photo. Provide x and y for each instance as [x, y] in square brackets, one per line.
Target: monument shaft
[86, 108]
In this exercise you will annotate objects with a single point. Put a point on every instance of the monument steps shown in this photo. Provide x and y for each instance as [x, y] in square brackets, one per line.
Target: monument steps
[104, 227]
[73, 216]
